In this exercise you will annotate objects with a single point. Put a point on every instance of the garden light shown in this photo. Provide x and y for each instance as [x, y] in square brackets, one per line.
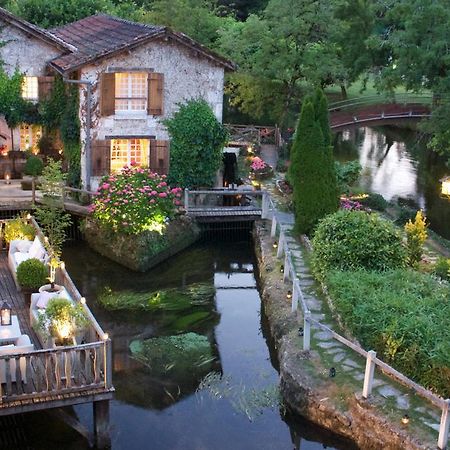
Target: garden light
[332, 373]
[5, 314]
[405, 419]
[83, 300]
[7, 178]
[275, 245]
[289, 295]
[282, 269]
[300, 331]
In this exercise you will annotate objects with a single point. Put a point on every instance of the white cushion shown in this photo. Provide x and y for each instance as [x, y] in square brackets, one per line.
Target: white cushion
[35, 247]
[23, 340]
[40, 254]
[44, 298]
[23, 246]
[6, 346]
[21, 257]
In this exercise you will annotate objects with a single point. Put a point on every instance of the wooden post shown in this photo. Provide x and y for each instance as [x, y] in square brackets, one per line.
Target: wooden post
[280, 249]
[444, 427]
[307, 332]
[108, 363]
[295, 294]
[186, 200]
[273, 230]
[368, 377]
[265, 204]
[101, 424]
[286, 268]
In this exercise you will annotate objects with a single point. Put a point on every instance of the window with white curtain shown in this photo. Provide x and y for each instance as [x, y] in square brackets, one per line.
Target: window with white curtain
[131, 91]
[30, 90]
[125, 152]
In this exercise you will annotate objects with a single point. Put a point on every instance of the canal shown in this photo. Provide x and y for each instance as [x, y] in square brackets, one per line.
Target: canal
[398, 165]
[229, 400]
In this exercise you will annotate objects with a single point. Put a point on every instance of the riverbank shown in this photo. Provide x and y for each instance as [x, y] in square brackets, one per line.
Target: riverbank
[305, 381]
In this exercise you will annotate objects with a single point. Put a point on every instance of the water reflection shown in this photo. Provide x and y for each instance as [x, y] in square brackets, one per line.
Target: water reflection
[161, 410]
[397, 164]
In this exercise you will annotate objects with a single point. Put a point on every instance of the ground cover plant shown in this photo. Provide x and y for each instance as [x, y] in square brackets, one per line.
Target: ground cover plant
[134, 201]
[403, 315]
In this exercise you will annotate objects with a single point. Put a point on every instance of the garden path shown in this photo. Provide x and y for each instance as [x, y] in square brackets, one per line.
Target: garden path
[391, 399]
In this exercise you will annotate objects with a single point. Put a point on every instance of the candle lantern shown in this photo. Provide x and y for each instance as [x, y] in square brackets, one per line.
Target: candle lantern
[5, 314]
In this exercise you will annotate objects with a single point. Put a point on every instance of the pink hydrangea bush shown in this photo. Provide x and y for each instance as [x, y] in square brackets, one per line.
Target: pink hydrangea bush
[258, 164]
[135, 200]
[352, 205]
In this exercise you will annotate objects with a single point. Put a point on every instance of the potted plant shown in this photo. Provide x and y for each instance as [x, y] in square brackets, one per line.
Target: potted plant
[18, 228]
[260, 169]
[33, 167]
[31, 274]
[61, 321]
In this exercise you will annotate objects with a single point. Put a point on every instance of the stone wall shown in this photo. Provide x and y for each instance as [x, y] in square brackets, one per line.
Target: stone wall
[186, 76]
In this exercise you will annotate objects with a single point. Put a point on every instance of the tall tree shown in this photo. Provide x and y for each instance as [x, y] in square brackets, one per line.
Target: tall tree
[312, 172]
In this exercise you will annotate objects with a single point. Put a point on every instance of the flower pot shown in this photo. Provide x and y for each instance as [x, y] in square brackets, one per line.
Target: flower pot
[49, 288]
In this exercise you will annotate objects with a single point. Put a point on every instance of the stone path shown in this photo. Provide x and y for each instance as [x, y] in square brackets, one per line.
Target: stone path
[344, 360]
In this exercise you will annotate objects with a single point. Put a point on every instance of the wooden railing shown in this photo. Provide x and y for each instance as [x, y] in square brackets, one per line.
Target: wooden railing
[278, 230]
[254, 134]
[44, 374]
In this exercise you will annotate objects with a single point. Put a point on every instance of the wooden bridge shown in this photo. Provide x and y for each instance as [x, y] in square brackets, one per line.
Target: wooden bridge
[379, 110]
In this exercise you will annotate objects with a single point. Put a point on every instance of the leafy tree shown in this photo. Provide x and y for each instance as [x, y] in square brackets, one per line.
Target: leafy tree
[312, 172]
[197, 140]
[416, 235]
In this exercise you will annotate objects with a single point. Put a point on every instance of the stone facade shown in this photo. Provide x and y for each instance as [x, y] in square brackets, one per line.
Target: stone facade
[186, 76]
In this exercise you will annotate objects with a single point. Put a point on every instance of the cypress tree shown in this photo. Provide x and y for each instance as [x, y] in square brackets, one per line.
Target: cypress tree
[312, 171]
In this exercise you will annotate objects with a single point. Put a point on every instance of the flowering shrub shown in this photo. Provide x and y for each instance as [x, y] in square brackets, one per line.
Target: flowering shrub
[258, 164]
[352, 205]
[135, 200]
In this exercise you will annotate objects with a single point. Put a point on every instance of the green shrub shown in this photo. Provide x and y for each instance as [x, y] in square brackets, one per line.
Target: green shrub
[32, 274]
[349, 240]
[403, 315]
[33, 166]
[442, 268]
[18, 228]
[374, 201]
[347, 174]
[404, 214]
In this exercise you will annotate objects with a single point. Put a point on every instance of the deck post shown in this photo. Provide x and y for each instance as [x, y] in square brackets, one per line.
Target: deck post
[280, 249]
[368, 376]
[286, 268]
[265, 204]
[186, 200]
[295, 294]
[101, 424]
[307, 331]
[273, 230]
[444, 427]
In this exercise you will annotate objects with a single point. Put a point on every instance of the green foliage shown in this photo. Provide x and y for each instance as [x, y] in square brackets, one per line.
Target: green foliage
[134, 201]
[347, 174]
[50, 213]
[403, 315]
[12, 105]
[312, 171]
[351, 240]
[18, 228]
[32, 274]
[62, 318]
[197, 140]
[162, 300]
[374, 201]
[416, 235]
[33, 166]
[442, 268]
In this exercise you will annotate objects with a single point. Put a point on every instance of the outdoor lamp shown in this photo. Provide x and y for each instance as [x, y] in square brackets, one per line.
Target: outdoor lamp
[289, 295]
[275, 245]
[5, 314]
[445, 186]
[7, 178]
[332, 372]
[282, 269]
[405, 419]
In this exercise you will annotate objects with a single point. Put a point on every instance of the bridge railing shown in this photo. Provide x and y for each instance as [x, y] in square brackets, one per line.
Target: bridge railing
[297, 298]
[404, 98]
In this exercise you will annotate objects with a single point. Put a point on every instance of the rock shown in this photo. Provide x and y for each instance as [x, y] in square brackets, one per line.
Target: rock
[403, 402]
[339, 357]
[328, 344]
[388, 391]
[352, 363]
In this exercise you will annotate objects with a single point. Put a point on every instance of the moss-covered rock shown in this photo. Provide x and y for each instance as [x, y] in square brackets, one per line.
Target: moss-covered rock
[142, 251]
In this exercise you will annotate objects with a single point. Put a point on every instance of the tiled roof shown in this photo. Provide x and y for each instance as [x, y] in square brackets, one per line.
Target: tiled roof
[34, 30]
[101, 36]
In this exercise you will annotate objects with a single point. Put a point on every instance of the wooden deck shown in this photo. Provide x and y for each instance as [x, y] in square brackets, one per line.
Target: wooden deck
[9, 293]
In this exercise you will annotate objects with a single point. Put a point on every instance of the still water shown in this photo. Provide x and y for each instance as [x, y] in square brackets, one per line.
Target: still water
[162, 409]
[397, 164]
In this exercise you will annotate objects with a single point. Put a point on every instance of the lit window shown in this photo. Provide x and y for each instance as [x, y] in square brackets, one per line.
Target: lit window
[131, 92]
[29, 137]
[30, 88]
[125, 152]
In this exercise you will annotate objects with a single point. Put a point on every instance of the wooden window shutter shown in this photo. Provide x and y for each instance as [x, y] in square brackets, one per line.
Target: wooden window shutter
[155, 93]
[101, 157]
[159, 156]
[108, 94]
[45, 86]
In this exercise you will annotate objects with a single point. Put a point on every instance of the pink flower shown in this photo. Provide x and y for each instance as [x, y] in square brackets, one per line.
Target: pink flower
[162, 194]
[105, 186]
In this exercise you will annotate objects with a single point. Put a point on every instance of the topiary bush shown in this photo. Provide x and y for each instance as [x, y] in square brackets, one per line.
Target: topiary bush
[32, 274]
[18, 228]
[33, 166]
[350, 240]
[374, 201]
[197, 140]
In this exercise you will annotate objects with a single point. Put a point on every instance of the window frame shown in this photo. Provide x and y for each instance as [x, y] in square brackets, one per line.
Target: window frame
[34, 133]
[130, 97]
[27, 87]
[144, 152]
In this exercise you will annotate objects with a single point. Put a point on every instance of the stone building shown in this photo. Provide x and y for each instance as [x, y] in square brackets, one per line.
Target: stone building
[130, 77]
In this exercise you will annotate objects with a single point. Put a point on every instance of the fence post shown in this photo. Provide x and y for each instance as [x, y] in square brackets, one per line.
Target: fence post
[295, 294]
[264, 205]
[444, 427]
[368, 376]
[273, 230]
[286, 268]
[186, 200]
[307, 331]
[280, 249]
